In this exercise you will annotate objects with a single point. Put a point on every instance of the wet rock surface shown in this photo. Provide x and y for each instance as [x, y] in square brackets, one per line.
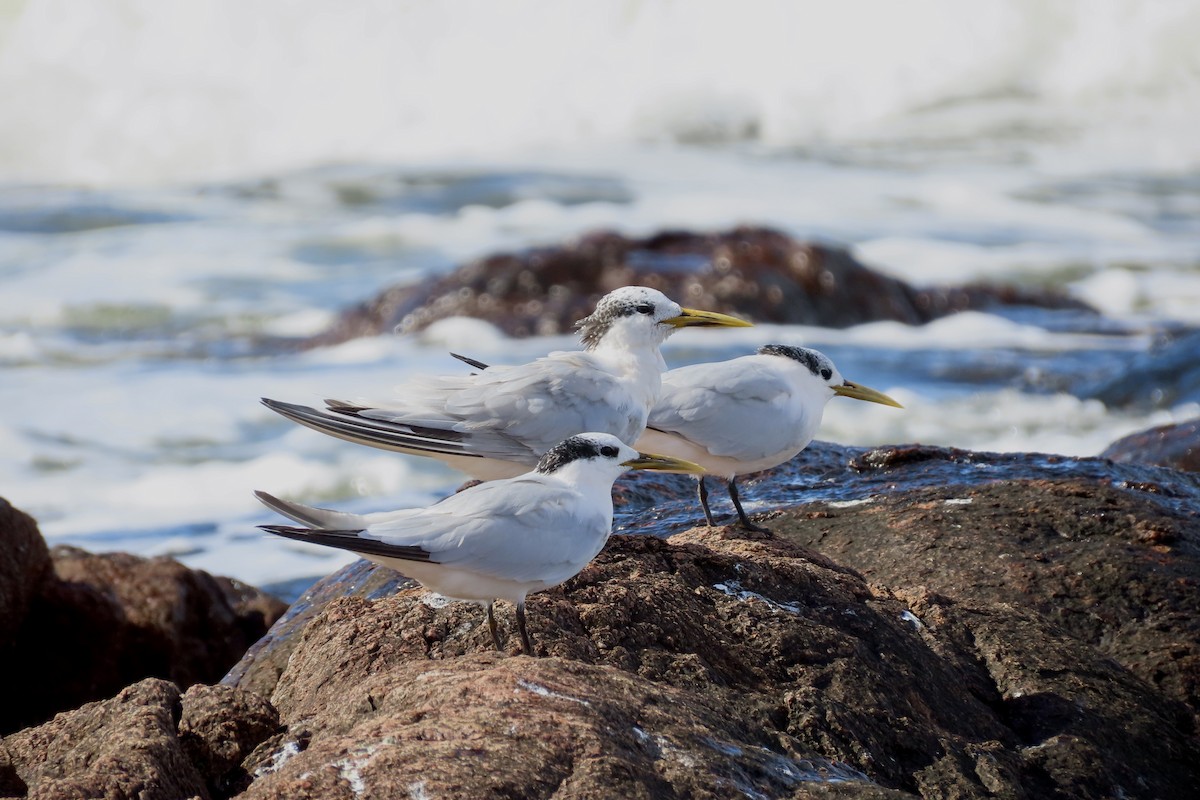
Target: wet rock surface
[259, 669]
[757, 273]
[93, 624]
[717, 663]
[923, 622]
[982, 625]
[824, 472]
[1176, 446]
[1162, 377]
[1110, 569]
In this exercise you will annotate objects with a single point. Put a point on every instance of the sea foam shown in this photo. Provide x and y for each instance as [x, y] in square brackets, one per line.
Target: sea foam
[113, 92]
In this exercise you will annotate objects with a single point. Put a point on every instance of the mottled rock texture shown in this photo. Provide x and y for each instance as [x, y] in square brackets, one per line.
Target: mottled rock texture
[1176, 446]
[84, 626]
[922, 622]
[147, 742]
[23, 567]
[721, 663]
[757, 273]
[220, 726]
[1102, 564]
[1164, 376]
[124, 747]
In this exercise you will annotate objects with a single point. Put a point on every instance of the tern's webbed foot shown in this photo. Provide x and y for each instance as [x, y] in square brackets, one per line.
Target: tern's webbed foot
[750, 526]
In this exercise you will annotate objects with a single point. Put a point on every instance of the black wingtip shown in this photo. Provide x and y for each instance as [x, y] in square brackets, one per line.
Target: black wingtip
[351, 540]
[470, 362]
[290, 531]
[277, 405]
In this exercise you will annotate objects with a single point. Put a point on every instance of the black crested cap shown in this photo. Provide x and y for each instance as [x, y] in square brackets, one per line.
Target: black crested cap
[575, 448]
[817, 363]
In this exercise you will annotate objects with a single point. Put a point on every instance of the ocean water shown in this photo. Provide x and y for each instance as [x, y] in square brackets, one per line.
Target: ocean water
[176, 179]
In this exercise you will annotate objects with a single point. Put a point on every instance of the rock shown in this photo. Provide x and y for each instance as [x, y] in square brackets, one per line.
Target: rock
[974, 625]
[219, 728]
[259, 669]
[488, 726]
[23, 569]
[101, 622]
[1175, 446]
[1116, 568]
[145, 743]
[125, 747]
[197, 619]
[1165, 376]
[11, 784]
[717, 663]
[661, 504]
[1085, 726]
[757, 273]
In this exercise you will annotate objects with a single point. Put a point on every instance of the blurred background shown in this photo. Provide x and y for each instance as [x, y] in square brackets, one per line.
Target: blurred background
[178, 179]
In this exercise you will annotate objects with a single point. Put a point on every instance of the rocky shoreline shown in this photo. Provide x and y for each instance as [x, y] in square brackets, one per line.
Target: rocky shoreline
[757, 273]
[1010, 636]
[921, 622]
[79, 626]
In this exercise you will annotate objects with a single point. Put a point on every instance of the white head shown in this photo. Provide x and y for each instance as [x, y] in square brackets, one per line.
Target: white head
[823, 377]
[602, 457]
[640, 317]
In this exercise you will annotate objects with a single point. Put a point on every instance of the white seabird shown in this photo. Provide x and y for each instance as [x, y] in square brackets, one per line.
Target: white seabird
[746, 414]
[499, 540]
[497, 423]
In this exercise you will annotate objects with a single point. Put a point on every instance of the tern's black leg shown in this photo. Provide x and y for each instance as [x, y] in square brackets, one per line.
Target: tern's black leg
[737, 503]
[703, 491]
[492, 627]
[526, 647]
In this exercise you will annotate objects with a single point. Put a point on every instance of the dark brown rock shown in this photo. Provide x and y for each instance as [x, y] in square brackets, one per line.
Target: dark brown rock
[662, 504]
[219, 728]
[125, 747]
[24, 567]
[259, 669]
[1166, 375]
[1085, 725]
[1175, 446]
[11, 784]
[488, 726]
[199, 619]
[1114, 567]
[716, 664]
[104, 621]
[756, 273]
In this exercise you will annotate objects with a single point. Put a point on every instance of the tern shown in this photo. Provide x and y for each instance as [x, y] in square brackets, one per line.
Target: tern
[499, 540]
[499, 422]
[747, 414]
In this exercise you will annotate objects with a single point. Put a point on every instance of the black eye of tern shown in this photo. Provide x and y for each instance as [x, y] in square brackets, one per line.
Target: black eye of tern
[645, 308]
[827, 373]
[608, 451]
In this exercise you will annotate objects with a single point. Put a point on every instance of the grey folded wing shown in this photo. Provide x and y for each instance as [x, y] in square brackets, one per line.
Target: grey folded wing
[518, 529]
[731, 409]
